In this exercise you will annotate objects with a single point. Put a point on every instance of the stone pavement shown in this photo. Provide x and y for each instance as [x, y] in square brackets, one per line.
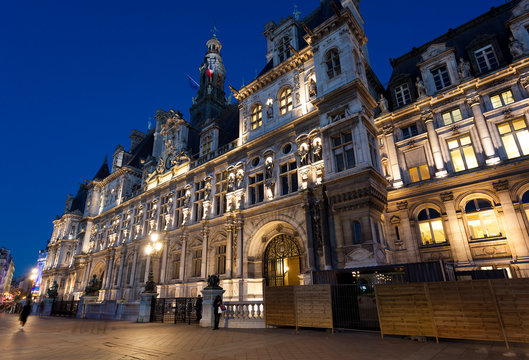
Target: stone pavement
[62, 338]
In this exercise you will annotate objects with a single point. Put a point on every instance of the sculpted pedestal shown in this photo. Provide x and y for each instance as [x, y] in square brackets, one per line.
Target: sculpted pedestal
[209, 294]
[145, 306]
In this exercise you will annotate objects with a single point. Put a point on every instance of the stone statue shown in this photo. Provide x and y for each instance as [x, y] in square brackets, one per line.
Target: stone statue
[313, 91]
[93, 287]
[213, 281]
[463, 69]
[240, 178]
[421, 90]
[187, 199]
[303, 152]
[231, 182]
[269, 168]
[516, 47]
[270, 110]
[52, 291]
[317, 150]
[207, 191]
[383, 104]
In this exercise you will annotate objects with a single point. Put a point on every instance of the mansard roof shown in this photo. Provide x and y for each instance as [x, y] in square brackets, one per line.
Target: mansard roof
[141, 151]
[491, 23]
[79, 201]
[103, 171]
[317, 17]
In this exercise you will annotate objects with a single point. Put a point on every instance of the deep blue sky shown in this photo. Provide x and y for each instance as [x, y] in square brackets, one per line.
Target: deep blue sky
[77, 76]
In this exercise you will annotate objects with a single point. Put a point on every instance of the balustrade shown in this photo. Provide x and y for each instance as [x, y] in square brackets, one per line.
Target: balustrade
[246, 310]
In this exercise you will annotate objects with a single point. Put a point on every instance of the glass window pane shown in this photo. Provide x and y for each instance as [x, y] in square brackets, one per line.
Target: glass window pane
[438, 231]
[518, 124]
[510, 146]
[347, 137]
[470, 157]
[426, 233]
[425, 173]
[474, 225]
[507, 97]
[523, 140]
[350, 158]
[453, 144]
[414, 174]
[489, 223]
[465, 140]
[496, 101]
[457, 160]
[456, 114]
[504, 128]
[447, 119]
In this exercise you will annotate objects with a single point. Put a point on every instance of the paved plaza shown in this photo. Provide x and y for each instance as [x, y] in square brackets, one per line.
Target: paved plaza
[61, 338]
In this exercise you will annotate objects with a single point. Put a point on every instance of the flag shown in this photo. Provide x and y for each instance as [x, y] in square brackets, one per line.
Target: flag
[209, 71]
[194, 85]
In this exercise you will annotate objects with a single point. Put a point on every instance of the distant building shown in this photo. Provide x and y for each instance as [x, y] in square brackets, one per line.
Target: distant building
[7, 269]
[455, 146]
[41, 261]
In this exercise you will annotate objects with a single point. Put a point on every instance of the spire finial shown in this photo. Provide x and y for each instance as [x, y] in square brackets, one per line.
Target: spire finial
[214, 31]
[296, 13]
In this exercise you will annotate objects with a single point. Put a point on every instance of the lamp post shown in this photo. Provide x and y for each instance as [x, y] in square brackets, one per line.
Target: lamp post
[153, 247]
[33, 278]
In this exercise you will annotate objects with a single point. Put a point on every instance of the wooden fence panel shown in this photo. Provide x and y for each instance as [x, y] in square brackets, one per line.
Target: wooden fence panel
[314, 306]
[512, 297]
[280, 306]
[404, 310]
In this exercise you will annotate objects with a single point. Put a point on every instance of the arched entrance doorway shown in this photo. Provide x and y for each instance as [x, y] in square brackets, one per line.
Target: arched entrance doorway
[282, 262]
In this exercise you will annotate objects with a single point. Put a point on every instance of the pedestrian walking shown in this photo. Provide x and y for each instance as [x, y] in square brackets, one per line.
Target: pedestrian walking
[217, 310]
[26, 310]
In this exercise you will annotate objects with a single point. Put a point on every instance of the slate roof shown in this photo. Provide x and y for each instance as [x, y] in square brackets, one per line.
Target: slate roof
[79, 201]
[490, 23]
[103, 171]
[141, 151]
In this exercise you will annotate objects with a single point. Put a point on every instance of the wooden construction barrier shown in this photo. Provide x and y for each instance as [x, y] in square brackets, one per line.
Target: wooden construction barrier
[476, 310]
[299, 306]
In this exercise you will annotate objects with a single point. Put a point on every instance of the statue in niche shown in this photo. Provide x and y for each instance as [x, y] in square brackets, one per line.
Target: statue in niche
[231, 182]
[516, 47]
[383, 104]
[317, 150]
[421, 89]
[269, 165]
[93, 287]
[207, 191]
[463, 68]
[210, 89]
[270, 110]
[187, 198]
[303, 152]
[298, 98]
[313, 91]
[240, 178]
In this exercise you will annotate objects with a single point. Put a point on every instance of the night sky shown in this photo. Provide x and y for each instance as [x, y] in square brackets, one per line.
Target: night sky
[77, 76]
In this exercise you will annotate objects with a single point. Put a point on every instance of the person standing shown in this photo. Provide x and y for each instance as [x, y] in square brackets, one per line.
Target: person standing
[198, 308]
[217, 311]
[26, 310]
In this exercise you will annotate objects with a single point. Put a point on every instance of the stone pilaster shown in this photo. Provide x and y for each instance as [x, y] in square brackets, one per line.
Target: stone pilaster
[427, 118]
[459, 245]
[481, 125]
[393, 159]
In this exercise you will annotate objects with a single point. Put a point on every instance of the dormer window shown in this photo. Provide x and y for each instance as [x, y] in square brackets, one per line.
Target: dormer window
[441, 77]
[257, 116]
[486, 59]
[206, 145]
[285, 101]
[283, 48]
[402, 95]
[332, 60]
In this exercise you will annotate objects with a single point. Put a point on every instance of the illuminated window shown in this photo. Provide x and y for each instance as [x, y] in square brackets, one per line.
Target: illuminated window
[256, 188]
[515, 137]
[220, 260]
[197, 262]
[501, 99]
[525, 202]
[332, 60]
[431, 227]
[481, 219]
[257, 116]
[285, 101]
[452, 116]
[179, 207]
[288, 177]
[486, 59]
[417, 165]
[441, 77]
[402, 95]
[221, 186]
[176, 266]
[200, 187]
[283, 48]
[343, 151]
[462, 153]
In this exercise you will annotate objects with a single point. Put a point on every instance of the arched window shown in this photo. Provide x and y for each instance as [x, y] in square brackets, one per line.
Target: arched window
[285, 101]
[431, 227]
[282, 261]
[332, 59]
[257, 116]
[481, 219]
[283, 48]
[525, 202]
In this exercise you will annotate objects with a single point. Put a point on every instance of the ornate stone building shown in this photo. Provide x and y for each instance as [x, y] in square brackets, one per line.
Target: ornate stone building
[286, 182]
[7, 269]
[454, 146]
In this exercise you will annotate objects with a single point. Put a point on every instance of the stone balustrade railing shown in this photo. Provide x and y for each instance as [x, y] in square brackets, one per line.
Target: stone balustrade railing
[244, 310]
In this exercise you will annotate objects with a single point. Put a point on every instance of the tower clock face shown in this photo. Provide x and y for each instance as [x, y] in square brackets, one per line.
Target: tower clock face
[168, 161]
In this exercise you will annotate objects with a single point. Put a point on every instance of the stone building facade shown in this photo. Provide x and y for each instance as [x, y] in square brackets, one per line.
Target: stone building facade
[307, 172]
[454, 146]
[7, 269]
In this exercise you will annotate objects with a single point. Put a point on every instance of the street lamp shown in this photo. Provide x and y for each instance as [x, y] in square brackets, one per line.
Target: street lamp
[33, 278]
[152, 248]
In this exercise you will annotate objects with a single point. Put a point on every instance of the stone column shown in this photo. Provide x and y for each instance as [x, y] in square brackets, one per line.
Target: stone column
[134, 260]
[121, 264]
[163, 266]
[393, 159]
[515, 238]
[205, 241]
[406, 233]
[483, 131]
[427, 117]
[183, 257]
[229, 248]
[459, 245]
[240, 248]
[310, 235]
